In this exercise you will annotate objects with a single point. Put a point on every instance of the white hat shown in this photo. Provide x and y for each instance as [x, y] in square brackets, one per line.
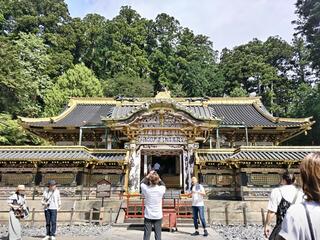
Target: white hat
[21, 188]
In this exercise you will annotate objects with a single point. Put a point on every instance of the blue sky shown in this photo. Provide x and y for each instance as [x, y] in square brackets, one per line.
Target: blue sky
[227, 22]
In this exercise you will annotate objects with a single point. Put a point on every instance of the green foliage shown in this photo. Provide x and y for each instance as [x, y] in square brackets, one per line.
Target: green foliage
[33, 16]
[308, 105]
[308, 25]
[76, 82]
[272, 69]
[238, 92]
[11, 133]
[126, 85]
[23, 78]
[46, 57]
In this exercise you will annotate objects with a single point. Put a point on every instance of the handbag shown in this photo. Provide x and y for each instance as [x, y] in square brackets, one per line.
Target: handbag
[21, 213]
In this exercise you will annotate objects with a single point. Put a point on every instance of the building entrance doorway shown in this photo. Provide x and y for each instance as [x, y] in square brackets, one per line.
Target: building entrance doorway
[170, 168]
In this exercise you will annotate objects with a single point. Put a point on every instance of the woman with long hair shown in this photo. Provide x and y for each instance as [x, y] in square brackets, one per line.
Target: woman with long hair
[18, 210]
[302, 221]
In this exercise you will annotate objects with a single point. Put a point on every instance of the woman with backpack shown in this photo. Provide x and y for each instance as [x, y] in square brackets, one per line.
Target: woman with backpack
[281, 199]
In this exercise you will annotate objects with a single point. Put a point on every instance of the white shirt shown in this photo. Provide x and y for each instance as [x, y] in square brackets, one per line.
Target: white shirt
[197, 198]
[295, 224]
[153, 200]
[288, 192]
[54, 199]
[20, 200]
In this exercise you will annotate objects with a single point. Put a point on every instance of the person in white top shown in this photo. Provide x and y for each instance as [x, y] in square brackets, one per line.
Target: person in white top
[51, 202]
[302, 221]
[18, 207]
[198, 194]
[153, 189]
[280, 200]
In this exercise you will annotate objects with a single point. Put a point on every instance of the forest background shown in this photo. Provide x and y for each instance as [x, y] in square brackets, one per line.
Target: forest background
[47, 56]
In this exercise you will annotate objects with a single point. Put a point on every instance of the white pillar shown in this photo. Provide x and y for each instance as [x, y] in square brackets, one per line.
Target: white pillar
[189, 165]
[134, 165]
[109, 141]
[145, 164]
[181, 169]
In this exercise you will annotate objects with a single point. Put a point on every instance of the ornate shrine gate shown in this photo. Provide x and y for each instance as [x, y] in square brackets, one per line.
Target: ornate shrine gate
[232, 143]
[159, 129]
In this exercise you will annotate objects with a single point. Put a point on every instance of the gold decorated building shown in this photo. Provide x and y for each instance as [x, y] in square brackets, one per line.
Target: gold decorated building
[231, 144]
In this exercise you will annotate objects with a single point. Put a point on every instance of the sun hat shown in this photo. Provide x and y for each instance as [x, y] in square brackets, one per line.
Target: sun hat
[21, 188]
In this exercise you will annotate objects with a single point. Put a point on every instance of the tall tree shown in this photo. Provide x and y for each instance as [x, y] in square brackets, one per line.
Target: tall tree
[23, 76]
[76, 82]
[308, 24]
[128, 86]
[33, 16]
[273, 69]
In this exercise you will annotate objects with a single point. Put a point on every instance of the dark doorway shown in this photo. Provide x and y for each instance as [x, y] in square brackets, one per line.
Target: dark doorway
[169, 168]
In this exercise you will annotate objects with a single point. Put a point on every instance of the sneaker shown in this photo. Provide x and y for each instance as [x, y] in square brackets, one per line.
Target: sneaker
[205, 234]
[196, 233]
[46, 238]
[53, 238]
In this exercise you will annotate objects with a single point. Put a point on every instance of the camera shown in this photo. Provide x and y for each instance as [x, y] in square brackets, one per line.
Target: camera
[46, 203]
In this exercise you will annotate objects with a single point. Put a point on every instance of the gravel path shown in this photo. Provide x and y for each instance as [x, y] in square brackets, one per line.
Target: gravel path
[240, 232]
[85, 232]
[66, 231]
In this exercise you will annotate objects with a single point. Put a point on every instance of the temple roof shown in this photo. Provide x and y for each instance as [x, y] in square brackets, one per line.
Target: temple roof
[53, 153]
[255, 153]
[246, 112]
[228, 155]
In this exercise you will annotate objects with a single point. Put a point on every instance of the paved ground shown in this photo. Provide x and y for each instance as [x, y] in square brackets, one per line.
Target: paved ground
[121, 233]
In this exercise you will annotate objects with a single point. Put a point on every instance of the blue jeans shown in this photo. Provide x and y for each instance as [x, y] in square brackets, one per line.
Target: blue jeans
[51, 221]
[196, 211]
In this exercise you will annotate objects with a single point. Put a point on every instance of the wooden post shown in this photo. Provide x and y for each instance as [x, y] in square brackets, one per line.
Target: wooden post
[71, 216]
[33, 216]
[209, 216]
[101, 215]
[110, 216]
[226, 213]
[90, 215]
[262, 216]
[89, 185]
[244, 210]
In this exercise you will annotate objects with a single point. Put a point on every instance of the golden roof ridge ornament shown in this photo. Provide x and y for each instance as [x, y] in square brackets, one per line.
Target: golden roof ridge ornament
[164, 93]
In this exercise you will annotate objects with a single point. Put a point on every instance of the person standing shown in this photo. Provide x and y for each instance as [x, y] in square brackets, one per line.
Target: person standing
[153, 189]
[280, 200]
[156, 167]
[52, 202]
[198, 194]
[302, 221]
[18, 207]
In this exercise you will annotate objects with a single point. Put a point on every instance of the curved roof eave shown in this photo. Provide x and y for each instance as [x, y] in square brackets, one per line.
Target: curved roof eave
[159, 102]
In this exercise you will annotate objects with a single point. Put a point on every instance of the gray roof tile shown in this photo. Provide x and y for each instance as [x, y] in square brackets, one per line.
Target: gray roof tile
[244, 114]
[58, 154]
[81, 115]
[230, 114]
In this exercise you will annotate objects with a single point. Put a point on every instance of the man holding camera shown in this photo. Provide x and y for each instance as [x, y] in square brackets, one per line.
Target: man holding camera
[51, 201]
[153, 189]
